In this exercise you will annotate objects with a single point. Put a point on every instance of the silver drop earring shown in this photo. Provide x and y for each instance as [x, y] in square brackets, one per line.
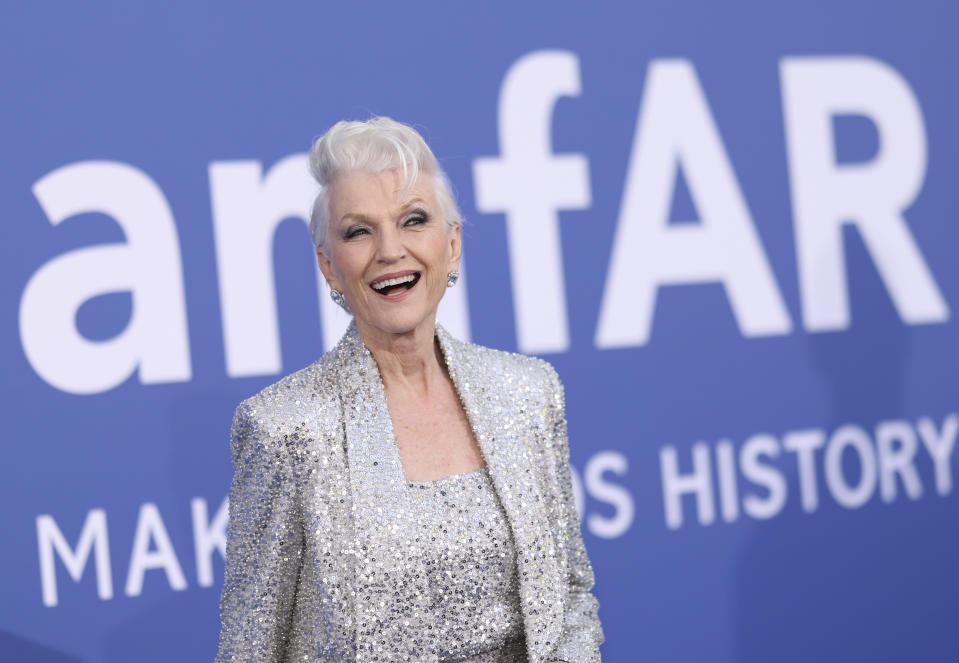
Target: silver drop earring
[452, 278]
[339, 299]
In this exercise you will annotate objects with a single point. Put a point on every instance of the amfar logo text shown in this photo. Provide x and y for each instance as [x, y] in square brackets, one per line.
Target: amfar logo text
[530, 185]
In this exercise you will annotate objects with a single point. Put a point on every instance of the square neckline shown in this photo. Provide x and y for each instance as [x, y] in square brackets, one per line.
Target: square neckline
[423, 483]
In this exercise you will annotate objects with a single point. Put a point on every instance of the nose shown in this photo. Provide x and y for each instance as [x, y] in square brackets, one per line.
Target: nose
[389, 247]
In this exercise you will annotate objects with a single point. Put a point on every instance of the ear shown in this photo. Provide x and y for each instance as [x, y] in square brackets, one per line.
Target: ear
[456, 247]
[327, 268]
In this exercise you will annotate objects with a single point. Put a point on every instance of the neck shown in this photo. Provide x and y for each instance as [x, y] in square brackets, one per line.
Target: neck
[408, 360]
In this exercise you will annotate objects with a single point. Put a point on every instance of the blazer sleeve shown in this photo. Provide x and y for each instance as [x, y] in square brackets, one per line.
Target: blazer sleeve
[263, 547]
[582, 633]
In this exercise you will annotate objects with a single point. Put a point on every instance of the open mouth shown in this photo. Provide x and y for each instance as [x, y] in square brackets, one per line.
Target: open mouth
[396, 285]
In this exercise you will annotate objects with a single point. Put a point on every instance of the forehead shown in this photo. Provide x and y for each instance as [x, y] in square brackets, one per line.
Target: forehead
[377, 194]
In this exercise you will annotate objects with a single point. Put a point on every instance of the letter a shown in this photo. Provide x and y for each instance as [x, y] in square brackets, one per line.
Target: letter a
[675, 129]
[147, 265]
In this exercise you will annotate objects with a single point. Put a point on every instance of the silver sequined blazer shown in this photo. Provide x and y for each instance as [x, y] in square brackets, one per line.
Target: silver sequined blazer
[311, 537]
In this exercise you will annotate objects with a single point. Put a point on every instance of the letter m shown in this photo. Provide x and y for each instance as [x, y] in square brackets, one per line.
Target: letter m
[92, 537]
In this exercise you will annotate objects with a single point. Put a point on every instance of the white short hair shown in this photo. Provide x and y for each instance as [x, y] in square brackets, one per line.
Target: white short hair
[376, 145]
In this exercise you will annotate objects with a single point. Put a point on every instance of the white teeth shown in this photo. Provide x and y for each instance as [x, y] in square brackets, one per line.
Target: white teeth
[379, 285]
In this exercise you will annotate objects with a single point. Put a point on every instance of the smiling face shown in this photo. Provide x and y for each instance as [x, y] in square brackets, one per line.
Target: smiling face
[388, 250]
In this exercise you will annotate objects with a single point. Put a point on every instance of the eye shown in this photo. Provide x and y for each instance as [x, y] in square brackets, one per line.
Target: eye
[354, 231]
[417, 218]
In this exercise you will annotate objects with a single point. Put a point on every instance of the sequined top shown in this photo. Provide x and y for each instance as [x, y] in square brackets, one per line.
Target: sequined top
[471, 565]
[322, 561]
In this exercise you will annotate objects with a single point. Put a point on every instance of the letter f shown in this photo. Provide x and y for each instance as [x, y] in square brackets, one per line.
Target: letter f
[530, 184]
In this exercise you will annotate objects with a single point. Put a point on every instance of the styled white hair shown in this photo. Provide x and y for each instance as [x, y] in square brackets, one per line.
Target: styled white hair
[376, 145]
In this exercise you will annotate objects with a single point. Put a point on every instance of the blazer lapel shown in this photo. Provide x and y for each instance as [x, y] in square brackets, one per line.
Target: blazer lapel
[503, 431]
[378, 484]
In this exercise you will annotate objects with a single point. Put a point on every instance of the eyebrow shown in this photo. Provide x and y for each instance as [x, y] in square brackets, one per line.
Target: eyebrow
[359, 216]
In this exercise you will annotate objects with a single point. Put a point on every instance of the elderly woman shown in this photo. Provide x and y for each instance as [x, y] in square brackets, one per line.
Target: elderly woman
[407, 497]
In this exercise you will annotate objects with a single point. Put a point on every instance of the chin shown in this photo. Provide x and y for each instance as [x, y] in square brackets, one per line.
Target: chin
[401, 322]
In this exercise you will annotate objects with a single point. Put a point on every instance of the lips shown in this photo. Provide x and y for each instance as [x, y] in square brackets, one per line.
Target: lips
[391, 285]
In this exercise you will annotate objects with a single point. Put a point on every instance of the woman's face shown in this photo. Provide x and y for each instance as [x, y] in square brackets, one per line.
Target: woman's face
[388, 251]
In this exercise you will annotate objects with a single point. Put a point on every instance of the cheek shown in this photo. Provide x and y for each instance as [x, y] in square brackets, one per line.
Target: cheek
[347, 265]
[442, 251]
[439, 267]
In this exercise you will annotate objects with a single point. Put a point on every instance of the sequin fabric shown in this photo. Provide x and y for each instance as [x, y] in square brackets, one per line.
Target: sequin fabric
[322, 561]
[467, 547]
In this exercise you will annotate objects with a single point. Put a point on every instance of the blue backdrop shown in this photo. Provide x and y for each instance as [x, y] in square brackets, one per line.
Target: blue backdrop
[730, 226]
